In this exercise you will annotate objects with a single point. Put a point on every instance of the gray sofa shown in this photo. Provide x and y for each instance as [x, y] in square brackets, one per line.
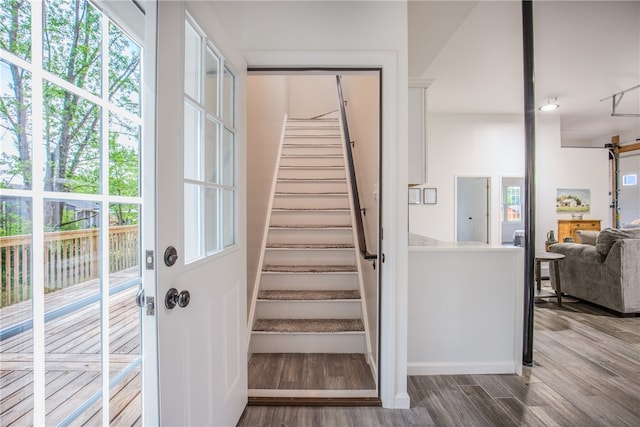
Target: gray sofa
[605, 270]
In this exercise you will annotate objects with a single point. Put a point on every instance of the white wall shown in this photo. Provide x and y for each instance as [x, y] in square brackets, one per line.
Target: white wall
[267, 104]
[493, 145]
[312, 95]
[350, 34]
[465, 320]
[629, 202]
[363, 113]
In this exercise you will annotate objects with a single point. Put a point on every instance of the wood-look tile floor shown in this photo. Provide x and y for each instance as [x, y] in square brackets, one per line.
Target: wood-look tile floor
[310, 371]
[587, 373]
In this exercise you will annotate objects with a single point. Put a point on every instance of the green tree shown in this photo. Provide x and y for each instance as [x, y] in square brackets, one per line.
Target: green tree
[72, 39]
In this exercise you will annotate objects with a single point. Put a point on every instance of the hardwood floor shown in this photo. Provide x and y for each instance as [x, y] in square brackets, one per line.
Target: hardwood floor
[311, 371]
[586, 373]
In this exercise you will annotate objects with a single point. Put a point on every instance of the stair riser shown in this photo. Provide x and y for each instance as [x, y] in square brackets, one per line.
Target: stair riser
[310, 236]
[311, 187]
[310, 218]
[308, 343]
[308, 310]
[293, 132]
[309, 257]
[311, 161]
[312, 173]
[324, 282]
[315, 150]
[311, 202]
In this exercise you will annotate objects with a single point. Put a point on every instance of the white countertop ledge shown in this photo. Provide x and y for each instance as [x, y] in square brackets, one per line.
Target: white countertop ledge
[419, 243]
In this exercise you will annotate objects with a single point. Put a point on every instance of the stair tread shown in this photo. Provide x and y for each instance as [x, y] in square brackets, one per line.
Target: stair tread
[308, 325]
[312, 226]
[309, 268]
[311, 209]
[315, 295]
[310, 246]
[312, 179]
[318, 193]
[311, 145]
[313, 156]
[311, 167]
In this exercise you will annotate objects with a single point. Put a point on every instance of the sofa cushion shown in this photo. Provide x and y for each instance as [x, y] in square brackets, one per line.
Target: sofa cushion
[587, 237]
[609, 236]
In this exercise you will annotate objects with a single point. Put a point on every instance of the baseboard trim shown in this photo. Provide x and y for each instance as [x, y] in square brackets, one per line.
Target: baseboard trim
[416, 368]
[314, 401]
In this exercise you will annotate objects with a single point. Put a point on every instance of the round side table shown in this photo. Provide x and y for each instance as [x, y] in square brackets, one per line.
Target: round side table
[551, 257]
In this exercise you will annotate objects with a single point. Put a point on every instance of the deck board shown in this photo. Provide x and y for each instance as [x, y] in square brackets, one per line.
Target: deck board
[73, 362]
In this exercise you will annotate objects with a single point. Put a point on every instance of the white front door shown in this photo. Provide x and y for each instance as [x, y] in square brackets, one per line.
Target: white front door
[200, 202]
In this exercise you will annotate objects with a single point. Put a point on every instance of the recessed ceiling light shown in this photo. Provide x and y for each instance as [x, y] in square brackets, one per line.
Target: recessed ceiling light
[550, 105]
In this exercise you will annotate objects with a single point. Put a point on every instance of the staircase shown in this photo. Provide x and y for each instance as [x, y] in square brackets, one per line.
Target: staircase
[308, 294]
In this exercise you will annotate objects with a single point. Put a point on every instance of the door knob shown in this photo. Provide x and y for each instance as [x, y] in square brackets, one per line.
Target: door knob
[184, 298]
[173, 298]
[170, 256]
[140, 298]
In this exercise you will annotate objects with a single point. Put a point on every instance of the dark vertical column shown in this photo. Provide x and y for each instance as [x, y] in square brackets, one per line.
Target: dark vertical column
[529, 180]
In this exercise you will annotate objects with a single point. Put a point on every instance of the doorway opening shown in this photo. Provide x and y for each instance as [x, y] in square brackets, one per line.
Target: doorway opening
[472, 209]
[313, 289]
[511, 211]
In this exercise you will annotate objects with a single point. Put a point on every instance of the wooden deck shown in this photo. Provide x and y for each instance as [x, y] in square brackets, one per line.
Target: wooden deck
[72, 358]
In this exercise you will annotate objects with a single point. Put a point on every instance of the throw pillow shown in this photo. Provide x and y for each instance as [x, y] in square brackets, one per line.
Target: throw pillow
[609, 236]
[587, 237]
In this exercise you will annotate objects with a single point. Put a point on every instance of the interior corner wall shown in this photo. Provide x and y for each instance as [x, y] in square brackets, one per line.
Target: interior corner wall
[267, 104]
[493, 146]
[312, 95]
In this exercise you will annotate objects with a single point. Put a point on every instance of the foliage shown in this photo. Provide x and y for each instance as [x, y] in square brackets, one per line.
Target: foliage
[71, 140]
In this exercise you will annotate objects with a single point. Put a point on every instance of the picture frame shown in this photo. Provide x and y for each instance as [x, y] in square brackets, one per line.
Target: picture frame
[430, 196]
[415, 196]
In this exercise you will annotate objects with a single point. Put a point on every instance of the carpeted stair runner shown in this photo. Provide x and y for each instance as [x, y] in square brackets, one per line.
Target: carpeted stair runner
[283, 295]
[310, 246]
[308, 325]
[310, 268]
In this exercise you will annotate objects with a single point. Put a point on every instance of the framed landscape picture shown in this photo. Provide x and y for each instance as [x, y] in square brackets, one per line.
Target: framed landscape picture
[573, 200]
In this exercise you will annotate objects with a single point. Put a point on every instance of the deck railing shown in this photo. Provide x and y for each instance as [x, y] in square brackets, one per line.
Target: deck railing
[70, 257]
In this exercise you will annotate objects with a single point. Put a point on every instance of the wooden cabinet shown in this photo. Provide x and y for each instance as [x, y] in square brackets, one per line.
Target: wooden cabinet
[568, 227]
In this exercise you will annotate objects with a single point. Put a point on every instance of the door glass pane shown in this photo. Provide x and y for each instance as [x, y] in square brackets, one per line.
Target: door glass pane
[192, 143]
[72, 283]
[228, 114]
[211, 82]
[211, 220]
[228, 158]
[211, 152]
[15, 127]
[124, 282]
[192, 61]
[16, 310]
[124, 71]
[192, 224]
[228, 220]
[71, 43]
[16, 34]
[71, 143]
[124, 156]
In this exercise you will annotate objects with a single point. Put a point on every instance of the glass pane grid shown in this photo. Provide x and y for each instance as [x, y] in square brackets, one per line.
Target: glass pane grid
[73, 148]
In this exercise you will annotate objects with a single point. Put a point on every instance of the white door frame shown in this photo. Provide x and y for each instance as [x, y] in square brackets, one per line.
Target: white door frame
[394, 244]
[150, 382]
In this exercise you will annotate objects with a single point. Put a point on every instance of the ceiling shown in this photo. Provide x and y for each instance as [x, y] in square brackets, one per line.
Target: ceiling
[584, 51]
